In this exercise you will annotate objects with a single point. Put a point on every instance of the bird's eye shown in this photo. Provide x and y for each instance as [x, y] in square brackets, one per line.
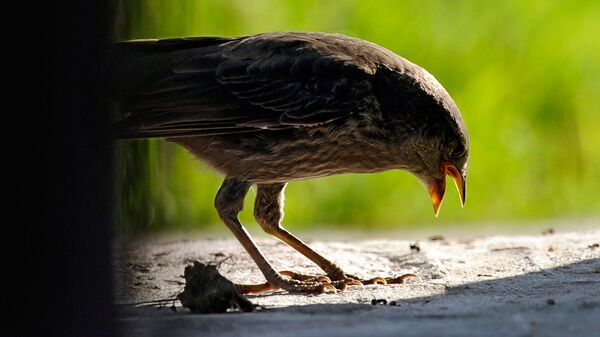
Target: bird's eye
[458, 152]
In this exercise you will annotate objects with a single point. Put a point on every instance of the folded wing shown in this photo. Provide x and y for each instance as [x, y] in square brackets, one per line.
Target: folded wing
[210, 86]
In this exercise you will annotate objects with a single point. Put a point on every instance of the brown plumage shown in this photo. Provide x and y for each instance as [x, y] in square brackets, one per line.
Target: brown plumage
[271, 108]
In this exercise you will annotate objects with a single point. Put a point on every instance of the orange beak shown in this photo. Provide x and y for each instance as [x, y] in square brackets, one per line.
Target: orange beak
[438, 187]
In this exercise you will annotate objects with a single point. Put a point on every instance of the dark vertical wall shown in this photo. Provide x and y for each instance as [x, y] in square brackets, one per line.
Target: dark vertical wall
[66, 205]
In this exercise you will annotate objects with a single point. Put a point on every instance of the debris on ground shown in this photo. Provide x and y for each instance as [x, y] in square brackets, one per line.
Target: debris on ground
[382, 301]
[207, 291]
[415, 247]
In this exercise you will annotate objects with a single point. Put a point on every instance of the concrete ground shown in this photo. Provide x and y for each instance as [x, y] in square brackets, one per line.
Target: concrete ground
[540, 285]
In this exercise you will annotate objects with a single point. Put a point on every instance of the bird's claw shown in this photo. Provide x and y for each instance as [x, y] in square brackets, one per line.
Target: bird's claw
[313, 285]
[342, 280]
[400, 279]
[293, 282]
[376, 280]
[343, 284]
[383, 280]
[303, 277]
[317, 284]
[340, 283]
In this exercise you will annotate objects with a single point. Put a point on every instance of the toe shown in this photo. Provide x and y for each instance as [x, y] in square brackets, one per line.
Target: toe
[400, 279]
[343, 284]
[375, 280]
[245, 289]
[303, 277]
[328, 287]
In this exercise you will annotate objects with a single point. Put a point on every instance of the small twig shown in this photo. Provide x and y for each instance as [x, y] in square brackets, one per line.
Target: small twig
[151, 302]
[219, 263]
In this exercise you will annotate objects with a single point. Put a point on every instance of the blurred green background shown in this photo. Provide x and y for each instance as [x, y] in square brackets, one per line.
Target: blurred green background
[525, 74]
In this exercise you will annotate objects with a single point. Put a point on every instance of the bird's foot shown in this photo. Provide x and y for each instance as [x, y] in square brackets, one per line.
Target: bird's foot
[340, 283]
[336, 273]
[400, 279]
[294, 283]
[341, 279]
[316, 284]
[383, 280]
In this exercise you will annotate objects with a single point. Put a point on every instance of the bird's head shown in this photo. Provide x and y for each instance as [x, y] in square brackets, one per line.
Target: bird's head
[434, 136]
[444, 151]
[448, 158]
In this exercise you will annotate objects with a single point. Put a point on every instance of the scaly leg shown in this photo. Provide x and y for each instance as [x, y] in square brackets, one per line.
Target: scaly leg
[268, 211]
[229, 202]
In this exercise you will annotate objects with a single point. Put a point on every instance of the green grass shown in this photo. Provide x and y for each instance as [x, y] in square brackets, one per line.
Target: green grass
[525, 74]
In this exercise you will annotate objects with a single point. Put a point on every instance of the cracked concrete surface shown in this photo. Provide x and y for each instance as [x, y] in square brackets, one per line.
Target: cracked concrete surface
[542, 285]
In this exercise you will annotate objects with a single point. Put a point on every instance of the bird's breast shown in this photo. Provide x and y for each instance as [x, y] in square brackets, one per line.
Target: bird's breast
[284, 156]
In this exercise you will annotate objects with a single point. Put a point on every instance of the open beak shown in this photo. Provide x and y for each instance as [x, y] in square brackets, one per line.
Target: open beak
[438, 187]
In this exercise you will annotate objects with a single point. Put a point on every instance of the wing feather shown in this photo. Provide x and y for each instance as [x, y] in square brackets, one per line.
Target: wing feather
[239, 85]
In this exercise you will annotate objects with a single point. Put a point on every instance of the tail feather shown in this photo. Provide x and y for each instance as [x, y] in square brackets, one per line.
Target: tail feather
[134, 64]
[152, 95]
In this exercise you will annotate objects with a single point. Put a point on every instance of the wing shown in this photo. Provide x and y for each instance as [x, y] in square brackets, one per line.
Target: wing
[221, 86]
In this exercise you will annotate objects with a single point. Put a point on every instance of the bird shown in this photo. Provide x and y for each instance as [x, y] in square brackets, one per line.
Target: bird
[263, 110]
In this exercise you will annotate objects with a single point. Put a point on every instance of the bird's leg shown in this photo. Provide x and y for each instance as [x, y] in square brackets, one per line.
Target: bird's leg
[229, 202]
[268, 211]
